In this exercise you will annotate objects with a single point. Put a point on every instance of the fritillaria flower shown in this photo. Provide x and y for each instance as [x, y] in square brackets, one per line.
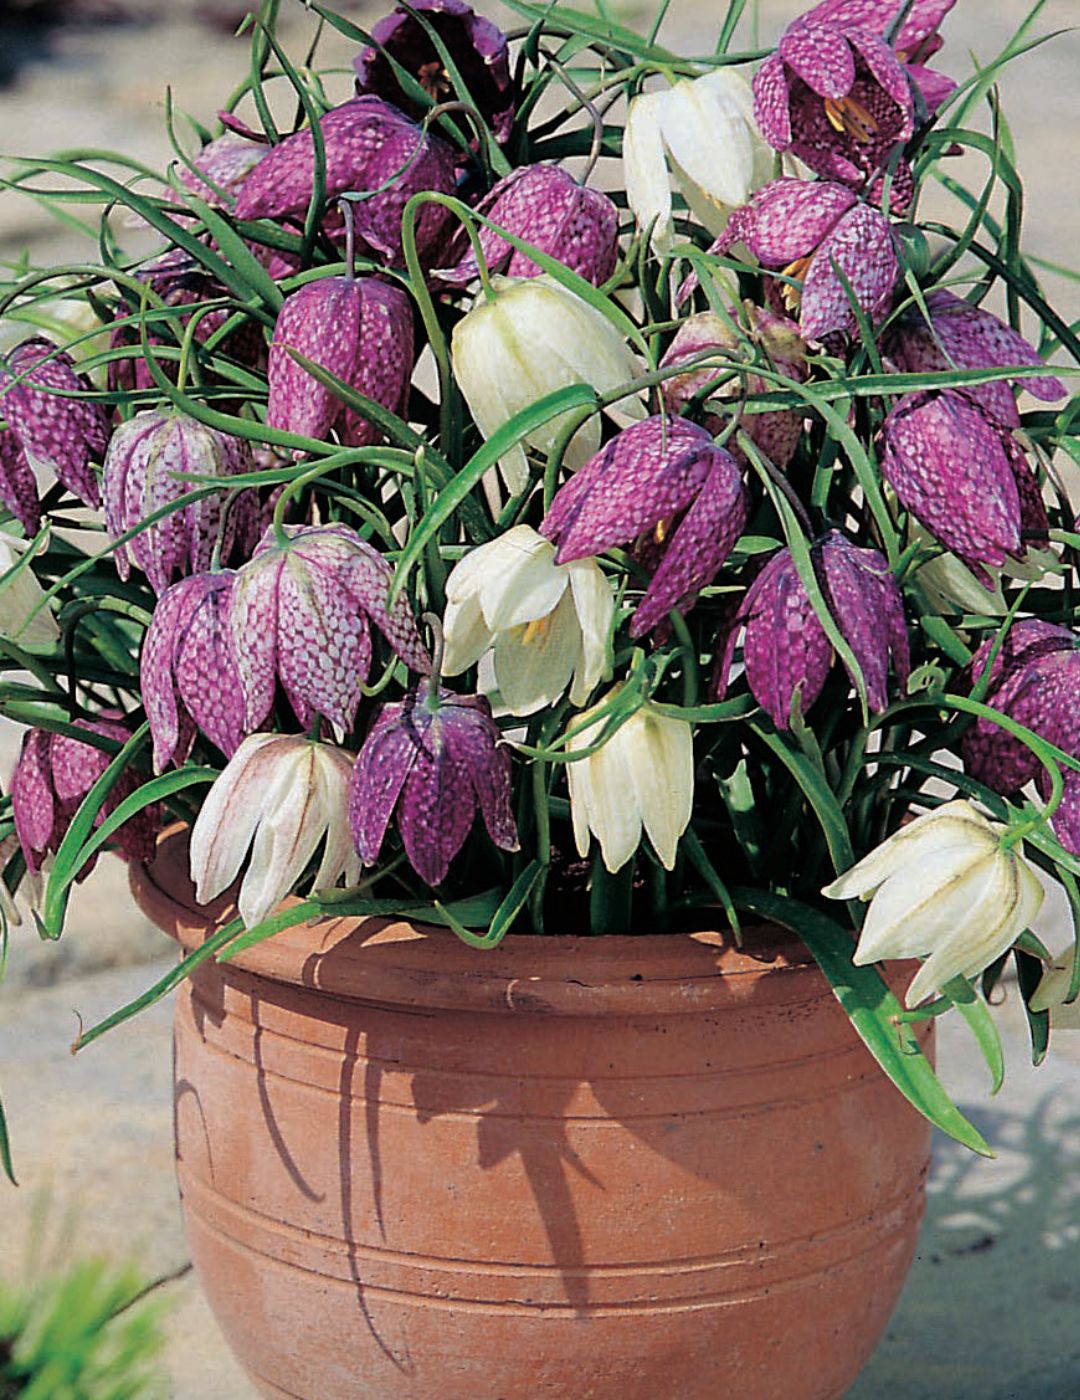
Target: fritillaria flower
[226, 161]
[543, 205]
[1051, 992]
[24, 615]
[432, 759]
[699, 133]
[302, 609]
[666, 479]
[477, 47]
[641, 777]
[786, 649]
[53, 775]
[943, 888]
[811, 232]
[279, 796]
[361, 331]
[547, 623]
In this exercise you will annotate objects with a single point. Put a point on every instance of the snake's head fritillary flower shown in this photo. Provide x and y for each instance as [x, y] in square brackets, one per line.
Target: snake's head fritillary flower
[432, 759]
[226, 161]
[943, 888]
[143, 472]
[818, 235]
[547, 623]
[477, 47]
[543, 205]
[24, 615]
[663, 480]
[302, 609]
[701, 135]
[786, 650]
[361, 331]
[53, 775]
[371, 149]
[280, 797]
[1050, 995]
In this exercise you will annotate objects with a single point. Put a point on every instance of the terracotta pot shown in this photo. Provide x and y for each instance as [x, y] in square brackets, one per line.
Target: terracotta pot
[570, 1167]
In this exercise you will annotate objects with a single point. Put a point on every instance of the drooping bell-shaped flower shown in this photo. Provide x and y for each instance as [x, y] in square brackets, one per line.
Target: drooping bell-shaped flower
[664, 478]
[812, 231]
[432, 759]
[642, 777]
[371, 149]
[945, 889]
[536, 337]
[477, 47]
[543, 205]
[52, 776]
[701, 135]
[47, 429]
[24, 615]
[280, 797]
[547, 623]
[964, 477]
[1050, 995]
[361, 331]
[302, 609]
[226, 161]
[962, 336]
[146, 456]
[786, 650]
[189, 673]
[710, 345]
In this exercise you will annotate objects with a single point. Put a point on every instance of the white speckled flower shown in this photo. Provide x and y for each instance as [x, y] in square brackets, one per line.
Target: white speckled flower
[24, 616]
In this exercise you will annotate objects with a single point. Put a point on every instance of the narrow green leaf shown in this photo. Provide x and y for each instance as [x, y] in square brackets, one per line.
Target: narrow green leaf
[1029, 972]
[975, 1012]
[5, 1149]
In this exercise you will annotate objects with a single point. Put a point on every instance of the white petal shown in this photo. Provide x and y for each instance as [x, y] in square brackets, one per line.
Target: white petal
[659, 756]
[296, 817]
[523, 582]
[645, 174]
[922, 905]
[533, 667]
[21, 618]
[339, 855]
[465, 633]
[705, 129]
[594, 602]
[233, 808]
[955, 825]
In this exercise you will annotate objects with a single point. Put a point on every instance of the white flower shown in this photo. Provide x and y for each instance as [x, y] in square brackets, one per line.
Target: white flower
[21, 619]
[547, 622]
[9, 910]
[702, 133]
[536, 337]
[280, 795]
[943, 888]
[643, 776]
[1051, 992]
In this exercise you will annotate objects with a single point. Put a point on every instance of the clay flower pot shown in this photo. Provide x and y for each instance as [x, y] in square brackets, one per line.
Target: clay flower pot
[570, 1167]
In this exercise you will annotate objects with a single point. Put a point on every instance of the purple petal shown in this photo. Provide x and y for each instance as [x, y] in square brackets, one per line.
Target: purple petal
[861, 247]
[18, 486]
[382, 767]
[204, 661]
[155, 673]
[820, 55]
[438, 804]
[862, 596]
[57, 433]
[887, 71]
[32, 797]
[475, 741]
[976, 339]
[321, 321]
[324, 645]
[384, 358]
[877, 15]
[255, 622]
[791, 218]
[785, 647]
[934, 86]
[365, 577]
[772, 102]
[1066, 820]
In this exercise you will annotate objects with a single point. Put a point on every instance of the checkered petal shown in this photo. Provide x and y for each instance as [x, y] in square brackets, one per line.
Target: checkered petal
[785, 647]
[18, 486]
[382, 767]
[32, 803]
[820, 55]
[865, 602]
[861, 247]
[772, 102]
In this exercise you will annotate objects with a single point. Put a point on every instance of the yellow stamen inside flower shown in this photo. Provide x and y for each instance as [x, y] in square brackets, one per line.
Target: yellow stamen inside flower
[850, 118]
[792, 295]
[434, 79]
[660, 533]
[535, 630]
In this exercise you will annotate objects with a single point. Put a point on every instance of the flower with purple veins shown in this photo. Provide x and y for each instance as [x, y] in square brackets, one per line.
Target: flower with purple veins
[477, 47]
[786, 649]
[543, 205]
[226, 162]
[666, 480]
[432, 760]
[818, 234]
[302, 608]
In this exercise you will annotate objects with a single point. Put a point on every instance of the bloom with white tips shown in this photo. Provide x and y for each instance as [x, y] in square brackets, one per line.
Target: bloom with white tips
[643, 776]
[24, 615]
[280, 795]
[943, 888]
[700, 133]
[1051, 992]
[547, 623]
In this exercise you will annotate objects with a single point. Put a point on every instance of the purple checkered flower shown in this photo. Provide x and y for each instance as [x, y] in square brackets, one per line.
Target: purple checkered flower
[812, 231]
[651, 475]
[836, 94]
[432, 759]
[46, 430]
[226, 161]
[786, 649]
[302, 609]
[189, 674]
[53, 775]
[964, 477]
[142, 467]
[962, 336]
[544, 205]
[477, 48]
[371, 149]
[361, 331]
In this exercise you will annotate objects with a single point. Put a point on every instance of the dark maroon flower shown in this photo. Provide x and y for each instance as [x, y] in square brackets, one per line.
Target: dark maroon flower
[433, 759]
[189, 673]
[361, 331]
[546, 206]
[786, 649]
[53, 775]
[477, 47]
[371, 149]
[301, 614]
[647, 477]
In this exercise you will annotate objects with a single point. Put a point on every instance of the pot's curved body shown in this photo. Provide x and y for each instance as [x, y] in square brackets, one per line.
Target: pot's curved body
[613, 1167]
